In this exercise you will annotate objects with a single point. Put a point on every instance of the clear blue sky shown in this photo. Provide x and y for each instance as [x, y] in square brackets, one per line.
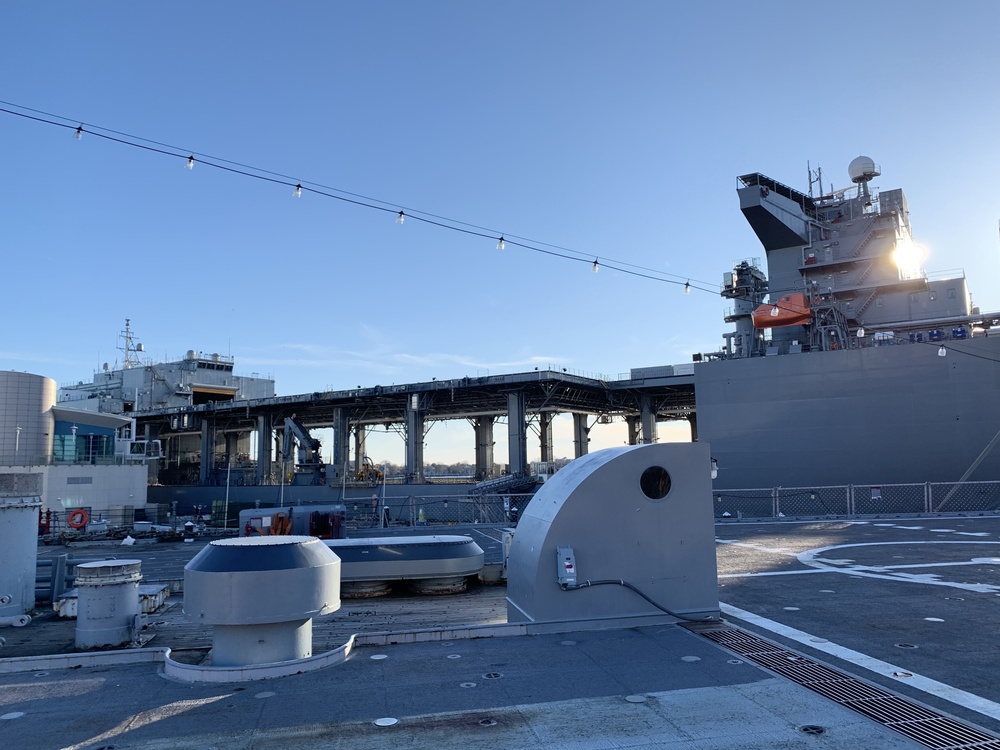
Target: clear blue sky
[614, 129]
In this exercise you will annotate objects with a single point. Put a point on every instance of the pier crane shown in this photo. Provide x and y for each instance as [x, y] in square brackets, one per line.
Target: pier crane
[309, 467]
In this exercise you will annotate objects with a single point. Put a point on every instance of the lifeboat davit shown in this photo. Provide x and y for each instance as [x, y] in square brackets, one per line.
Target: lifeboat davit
[790, 310]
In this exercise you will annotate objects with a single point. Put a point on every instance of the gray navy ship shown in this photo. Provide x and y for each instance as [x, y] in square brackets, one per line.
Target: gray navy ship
[848, 364]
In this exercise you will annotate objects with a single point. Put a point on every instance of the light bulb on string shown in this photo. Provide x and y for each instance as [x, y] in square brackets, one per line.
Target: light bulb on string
[774, 311]
[687, 287]
[861, 333]
[596, 265]
[942, 352]
[367, 203]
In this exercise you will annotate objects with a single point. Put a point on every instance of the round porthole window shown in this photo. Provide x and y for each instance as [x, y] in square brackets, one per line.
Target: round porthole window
[655, 483]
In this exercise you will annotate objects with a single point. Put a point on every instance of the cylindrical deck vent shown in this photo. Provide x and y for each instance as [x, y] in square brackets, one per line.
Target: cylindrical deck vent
[261, 594]
[18, 554]
[107, 602]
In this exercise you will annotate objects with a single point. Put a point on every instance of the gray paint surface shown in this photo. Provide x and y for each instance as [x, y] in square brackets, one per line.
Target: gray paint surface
[877, 415]
[663, 546]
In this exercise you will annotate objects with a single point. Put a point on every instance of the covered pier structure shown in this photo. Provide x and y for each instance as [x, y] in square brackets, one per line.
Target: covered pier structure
[201, 441]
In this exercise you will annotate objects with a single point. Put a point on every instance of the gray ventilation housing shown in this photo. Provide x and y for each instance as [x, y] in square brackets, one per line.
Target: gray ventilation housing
[260, 594]
[18, 553]
[614, 527]
[108, 612]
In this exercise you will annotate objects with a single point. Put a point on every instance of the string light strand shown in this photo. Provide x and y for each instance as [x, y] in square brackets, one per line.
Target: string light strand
[402, 213]
[328, 191]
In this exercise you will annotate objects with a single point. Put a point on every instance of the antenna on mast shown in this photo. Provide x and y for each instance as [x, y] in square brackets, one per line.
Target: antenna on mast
[815, 177]
[129, 349]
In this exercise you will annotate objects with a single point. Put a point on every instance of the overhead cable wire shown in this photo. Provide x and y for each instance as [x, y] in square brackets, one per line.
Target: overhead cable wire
[336, 193]
[454, 225]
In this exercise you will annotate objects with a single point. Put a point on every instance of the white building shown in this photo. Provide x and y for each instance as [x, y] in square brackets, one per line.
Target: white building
[85, 459]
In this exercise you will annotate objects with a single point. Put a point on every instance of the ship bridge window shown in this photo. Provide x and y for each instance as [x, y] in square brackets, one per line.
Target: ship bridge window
[952, 294]
[878, 302]
[914, 297]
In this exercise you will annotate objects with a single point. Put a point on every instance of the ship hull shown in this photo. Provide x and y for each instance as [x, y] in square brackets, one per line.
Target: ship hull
[876, 415]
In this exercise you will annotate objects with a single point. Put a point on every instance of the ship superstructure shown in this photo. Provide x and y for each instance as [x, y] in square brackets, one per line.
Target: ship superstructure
[848, 364]
[139, 384]
[842, 271]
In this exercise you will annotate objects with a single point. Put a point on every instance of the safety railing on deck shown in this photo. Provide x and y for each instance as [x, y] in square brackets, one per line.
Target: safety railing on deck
[858, 500]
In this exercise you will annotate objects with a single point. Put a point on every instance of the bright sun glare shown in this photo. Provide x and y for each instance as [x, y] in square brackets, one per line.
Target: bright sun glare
[908, 257]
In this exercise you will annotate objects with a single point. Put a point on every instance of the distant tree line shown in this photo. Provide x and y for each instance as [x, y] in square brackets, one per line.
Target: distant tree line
[459, 469]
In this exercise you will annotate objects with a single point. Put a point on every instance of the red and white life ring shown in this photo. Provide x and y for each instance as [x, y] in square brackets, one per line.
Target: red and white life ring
[77, 519]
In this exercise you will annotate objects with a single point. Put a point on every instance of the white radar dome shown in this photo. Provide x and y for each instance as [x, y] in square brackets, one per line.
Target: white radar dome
[863, 169]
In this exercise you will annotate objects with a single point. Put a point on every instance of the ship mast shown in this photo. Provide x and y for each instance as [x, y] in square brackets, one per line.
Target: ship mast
[129, 349]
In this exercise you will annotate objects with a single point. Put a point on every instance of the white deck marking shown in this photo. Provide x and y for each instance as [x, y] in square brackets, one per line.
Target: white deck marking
[927, 578]
[807, 571]
[812, 559]
[924, 684]
[759, 547]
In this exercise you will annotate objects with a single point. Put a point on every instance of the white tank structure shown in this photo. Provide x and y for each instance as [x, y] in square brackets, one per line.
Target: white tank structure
[260, 594]
[620, 537]
[26, 420]
[108, 613]
[18, 558]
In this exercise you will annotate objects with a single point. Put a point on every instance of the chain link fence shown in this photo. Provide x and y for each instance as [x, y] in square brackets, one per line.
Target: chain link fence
[383, 512]
[453, 510]
[436, 510]
[858, 500]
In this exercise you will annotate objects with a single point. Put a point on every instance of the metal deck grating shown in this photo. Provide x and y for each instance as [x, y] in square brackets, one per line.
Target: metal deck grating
[917, 722]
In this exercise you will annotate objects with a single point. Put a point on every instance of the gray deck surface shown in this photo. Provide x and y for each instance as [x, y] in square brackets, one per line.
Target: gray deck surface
[916, 597]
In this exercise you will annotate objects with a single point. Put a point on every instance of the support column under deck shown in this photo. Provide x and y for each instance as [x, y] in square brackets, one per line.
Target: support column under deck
[634, 426]
[279, 454]
[264, 428]
[207, 450]
[648, 416]
[517, 433]
[341, 445]
[231, 441]
[360, 446]
[545, 435]
[414, 440]
[484, 447]
[581, 436]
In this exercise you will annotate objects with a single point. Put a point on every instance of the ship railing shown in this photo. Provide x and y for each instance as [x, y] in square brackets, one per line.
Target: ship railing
[846, 501]
[953, 273]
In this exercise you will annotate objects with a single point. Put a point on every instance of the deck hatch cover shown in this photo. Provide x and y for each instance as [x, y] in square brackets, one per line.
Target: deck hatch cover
[910, 719]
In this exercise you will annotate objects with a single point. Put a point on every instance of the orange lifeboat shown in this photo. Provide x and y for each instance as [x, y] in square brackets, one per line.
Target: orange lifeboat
[790, 310]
